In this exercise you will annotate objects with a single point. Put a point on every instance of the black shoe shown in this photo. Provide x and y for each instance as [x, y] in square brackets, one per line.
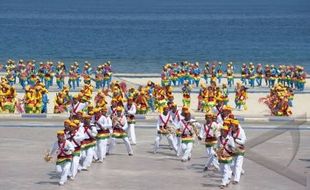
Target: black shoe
[205, 169]
[235, 182]
[130, 154]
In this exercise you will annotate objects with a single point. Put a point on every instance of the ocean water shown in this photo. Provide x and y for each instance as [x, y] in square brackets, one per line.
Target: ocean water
[142, 35]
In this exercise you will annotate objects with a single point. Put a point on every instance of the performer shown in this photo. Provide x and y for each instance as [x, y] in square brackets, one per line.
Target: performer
[164, 128]
[75, 137]
[103, 124]
[77, 105]
[210, 132]
[186, 90]
[130, 111]
[63, 148]
[119, 126]
[239, 137]
[189, 128]
[89, 143]
[224, 114]
[176, 118]
[241, 97]
[226, 146]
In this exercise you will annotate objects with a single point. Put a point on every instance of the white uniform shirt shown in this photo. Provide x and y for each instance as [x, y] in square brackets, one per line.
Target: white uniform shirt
[79, 106]
[61, 149]
[131, 109]
[124, 123]
[163, 120]
[102, 123]
[212, 132]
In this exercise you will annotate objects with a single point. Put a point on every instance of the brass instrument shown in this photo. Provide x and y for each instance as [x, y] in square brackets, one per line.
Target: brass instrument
[192, 124]
[117, 121]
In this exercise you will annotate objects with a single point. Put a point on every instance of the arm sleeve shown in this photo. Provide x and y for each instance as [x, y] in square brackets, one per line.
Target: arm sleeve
[79, 136]
[132, 110]
[94, 131]
[70, 148]
[53, 149]
[158, 124]
[125, 127]
[202, 132]
[242, 138]
[109, 123]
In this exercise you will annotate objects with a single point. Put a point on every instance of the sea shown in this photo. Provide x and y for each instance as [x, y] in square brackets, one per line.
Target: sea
[140, 36]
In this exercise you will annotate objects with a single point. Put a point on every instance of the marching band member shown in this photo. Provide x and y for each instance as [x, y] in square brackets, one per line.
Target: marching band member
[103, 125]
[176, 118]
[119, 126]
[164, 128]
[189, 128]
[77, 105]
[75, 137]
[63, 148]
[224, 114]
[88, 143]
[239, 137]
[226, 147]
[210, 132]
[130, 111]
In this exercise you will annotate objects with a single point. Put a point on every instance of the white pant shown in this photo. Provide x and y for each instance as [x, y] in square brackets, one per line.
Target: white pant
[170, 140]
[226, 173]
[87, 157]
[127, 144]
[237, 167]
[132, 133]
[74, 166]
[177, 141]
[211, 158]
[102, 148]
[187, 150]
[64, 171]
[96, 152]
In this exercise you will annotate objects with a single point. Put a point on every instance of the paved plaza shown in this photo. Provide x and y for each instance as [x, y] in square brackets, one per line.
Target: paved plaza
[276, 159]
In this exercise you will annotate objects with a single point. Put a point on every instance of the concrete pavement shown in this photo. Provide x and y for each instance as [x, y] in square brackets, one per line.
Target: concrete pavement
[22, 165]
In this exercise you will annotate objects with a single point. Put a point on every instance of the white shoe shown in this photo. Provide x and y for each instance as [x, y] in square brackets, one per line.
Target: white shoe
[61, 183]
[242, 172]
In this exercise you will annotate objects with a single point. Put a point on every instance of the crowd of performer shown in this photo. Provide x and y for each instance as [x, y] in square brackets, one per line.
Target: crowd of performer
[279, 101]
[221, 134]
[149, 98]
[251, 74]
[91, 132]
[50, 73]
